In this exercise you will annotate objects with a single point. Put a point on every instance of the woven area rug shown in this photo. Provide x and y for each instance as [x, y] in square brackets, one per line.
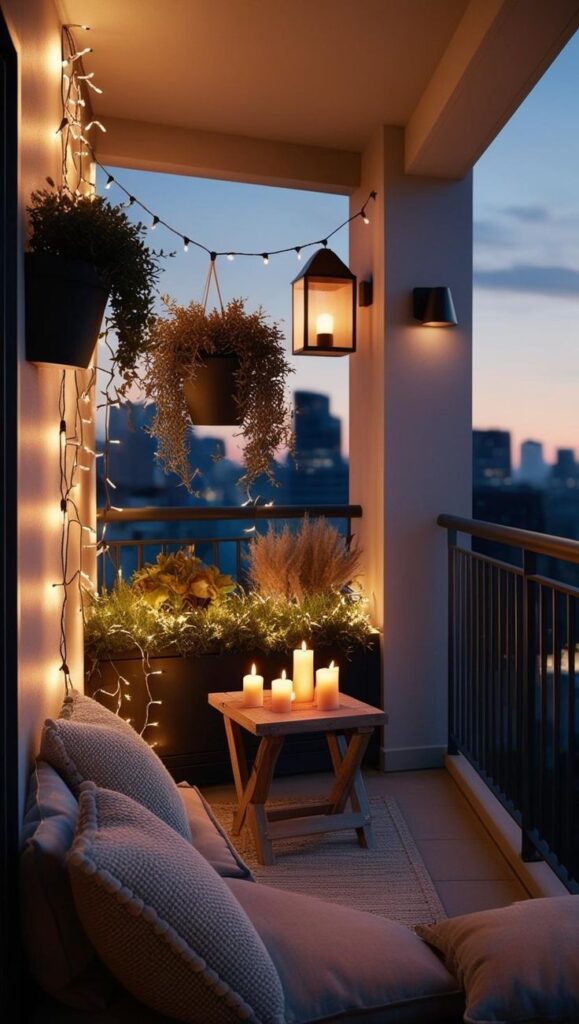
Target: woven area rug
[391, 880]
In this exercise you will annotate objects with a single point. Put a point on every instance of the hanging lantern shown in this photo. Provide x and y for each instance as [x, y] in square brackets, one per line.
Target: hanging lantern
[324, 307]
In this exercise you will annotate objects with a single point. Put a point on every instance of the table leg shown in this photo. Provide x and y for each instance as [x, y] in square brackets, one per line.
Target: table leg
[237, 754]
[251, 804]
[346, 758]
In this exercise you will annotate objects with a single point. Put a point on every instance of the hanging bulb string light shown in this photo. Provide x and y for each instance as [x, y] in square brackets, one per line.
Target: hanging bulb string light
[73, 100]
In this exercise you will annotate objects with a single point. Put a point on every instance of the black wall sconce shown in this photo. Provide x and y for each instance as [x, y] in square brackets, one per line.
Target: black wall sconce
[434, 307]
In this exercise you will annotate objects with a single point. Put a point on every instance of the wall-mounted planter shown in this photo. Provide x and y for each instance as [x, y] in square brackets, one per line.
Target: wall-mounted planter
[190, 737]
[210, 396]
[65, 305]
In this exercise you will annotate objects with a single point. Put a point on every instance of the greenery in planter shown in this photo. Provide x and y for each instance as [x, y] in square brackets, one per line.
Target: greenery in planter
[310, 562]
[181, 581]
[89, 228]
[177, 343]
[118, 620]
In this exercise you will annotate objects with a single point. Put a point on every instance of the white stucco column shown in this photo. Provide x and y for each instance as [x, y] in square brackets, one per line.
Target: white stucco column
[410, 431]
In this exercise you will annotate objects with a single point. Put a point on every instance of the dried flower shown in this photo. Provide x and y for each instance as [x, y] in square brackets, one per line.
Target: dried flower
[315, 560]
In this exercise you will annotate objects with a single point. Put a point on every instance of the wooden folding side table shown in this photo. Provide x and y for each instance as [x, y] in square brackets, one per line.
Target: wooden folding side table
[347, 730]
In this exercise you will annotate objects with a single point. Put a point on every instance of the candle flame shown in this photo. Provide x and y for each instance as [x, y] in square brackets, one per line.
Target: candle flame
[283, 675]
[304, 646]
[331, 665]
[253, 670]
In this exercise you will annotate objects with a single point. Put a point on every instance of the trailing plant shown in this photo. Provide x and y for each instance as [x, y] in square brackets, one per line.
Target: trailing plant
[180, 581]
[89, 228]
[121, 619]
[313, 561]
[178, 342]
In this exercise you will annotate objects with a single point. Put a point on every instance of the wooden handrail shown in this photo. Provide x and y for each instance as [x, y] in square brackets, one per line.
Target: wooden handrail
[186, 513]
[540, 543]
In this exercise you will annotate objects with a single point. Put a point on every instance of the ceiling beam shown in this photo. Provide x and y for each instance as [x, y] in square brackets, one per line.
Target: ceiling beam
[497, 54]
[160, 147]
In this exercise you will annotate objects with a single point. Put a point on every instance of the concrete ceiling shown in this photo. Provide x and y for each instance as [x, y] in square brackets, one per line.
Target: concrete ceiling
[318, 72]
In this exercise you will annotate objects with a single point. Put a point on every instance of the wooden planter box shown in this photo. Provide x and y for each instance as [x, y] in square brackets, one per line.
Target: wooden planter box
[190, 736]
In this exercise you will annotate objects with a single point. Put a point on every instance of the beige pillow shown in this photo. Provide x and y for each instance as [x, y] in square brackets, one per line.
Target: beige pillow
[517, 963]
[116, 759]
[163, 920]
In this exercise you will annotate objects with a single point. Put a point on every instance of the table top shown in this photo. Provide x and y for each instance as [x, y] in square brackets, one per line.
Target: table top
[304, 717]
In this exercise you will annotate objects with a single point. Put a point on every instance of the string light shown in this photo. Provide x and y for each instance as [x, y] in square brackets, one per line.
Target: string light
[110, 181]
[95, 124]
[298, 252]
[154, 222]
[265, 258]
[231, 256]
[186, 243]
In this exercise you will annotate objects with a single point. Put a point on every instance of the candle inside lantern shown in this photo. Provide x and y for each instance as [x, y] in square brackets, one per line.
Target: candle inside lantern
[281, 694]
[328, 688]
[303, 673]
[253, 690]
[325, 330]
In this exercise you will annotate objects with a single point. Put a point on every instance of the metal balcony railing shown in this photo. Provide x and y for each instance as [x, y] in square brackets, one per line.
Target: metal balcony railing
[220, 535]
[513, 708]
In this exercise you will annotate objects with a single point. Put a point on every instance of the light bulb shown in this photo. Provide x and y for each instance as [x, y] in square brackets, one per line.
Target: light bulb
[265, 258]
[154, 222]
[110, 181]
[299, 252]
[185, 244]
[365, 217]
[230, 256]
[325, 324]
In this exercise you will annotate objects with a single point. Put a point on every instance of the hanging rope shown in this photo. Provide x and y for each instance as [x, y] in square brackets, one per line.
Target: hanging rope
[211, 276]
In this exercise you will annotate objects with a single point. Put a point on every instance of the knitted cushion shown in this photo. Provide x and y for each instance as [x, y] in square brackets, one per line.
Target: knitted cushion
[88, 711]
[164, 921]
[116, 759]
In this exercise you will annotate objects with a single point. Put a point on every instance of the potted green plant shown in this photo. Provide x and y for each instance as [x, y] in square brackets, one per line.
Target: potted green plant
[83, 251]
[198, 362]
[181, 581]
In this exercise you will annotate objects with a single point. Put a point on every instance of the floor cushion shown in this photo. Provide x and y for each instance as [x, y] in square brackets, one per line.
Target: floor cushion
[209, 838]
[346, 965]
[61, 958]
[517, 963]
[117, 759]
[163, 920]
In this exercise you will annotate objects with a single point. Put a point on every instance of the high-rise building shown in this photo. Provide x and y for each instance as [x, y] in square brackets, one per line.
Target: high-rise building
[318, 474]
[533, 469]
[491, 458]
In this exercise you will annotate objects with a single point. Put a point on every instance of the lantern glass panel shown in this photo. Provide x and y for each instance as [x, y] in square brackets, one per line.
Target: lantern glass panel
[298, 315]
[330, 318]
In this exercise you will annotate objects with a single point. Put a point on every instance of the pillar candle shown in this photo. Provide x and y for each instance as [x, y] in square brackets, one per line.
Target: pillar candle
[253, 690]
[328, 688]
[304, 673]
[281, 694]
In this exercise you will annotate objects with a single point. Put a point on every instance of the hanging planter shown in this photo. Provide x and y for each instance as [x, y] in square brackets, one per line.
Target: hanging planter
[84, 251]
[219, 368]
[65, 305]
[210, 396]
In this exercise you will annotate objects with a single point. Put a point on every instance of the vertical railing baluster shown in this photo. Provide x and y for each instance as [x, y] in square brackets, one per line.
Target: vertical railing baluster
[556, 729]
[452, 682]
[571, 825]
[529, 681]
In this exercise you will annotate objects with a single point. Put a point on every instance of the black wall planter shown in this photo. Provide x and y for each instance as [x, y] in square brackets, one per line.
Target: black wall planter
[209, 397]
[190, 736]
[65, 305]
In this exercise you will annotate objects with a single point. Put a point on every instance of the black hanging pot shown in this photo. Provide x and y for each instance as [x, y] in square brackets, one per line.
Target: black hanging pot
[65, 305]
[210, 397]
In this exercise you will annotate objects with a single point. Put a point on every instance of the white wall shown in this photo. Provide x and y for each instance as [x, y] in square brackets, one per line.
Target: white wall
[410, 432]
[35, 30]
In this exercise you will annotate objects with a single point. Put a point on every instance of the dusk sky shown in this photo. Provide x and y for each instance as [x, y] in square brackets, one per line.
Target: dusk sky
[526, 300]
